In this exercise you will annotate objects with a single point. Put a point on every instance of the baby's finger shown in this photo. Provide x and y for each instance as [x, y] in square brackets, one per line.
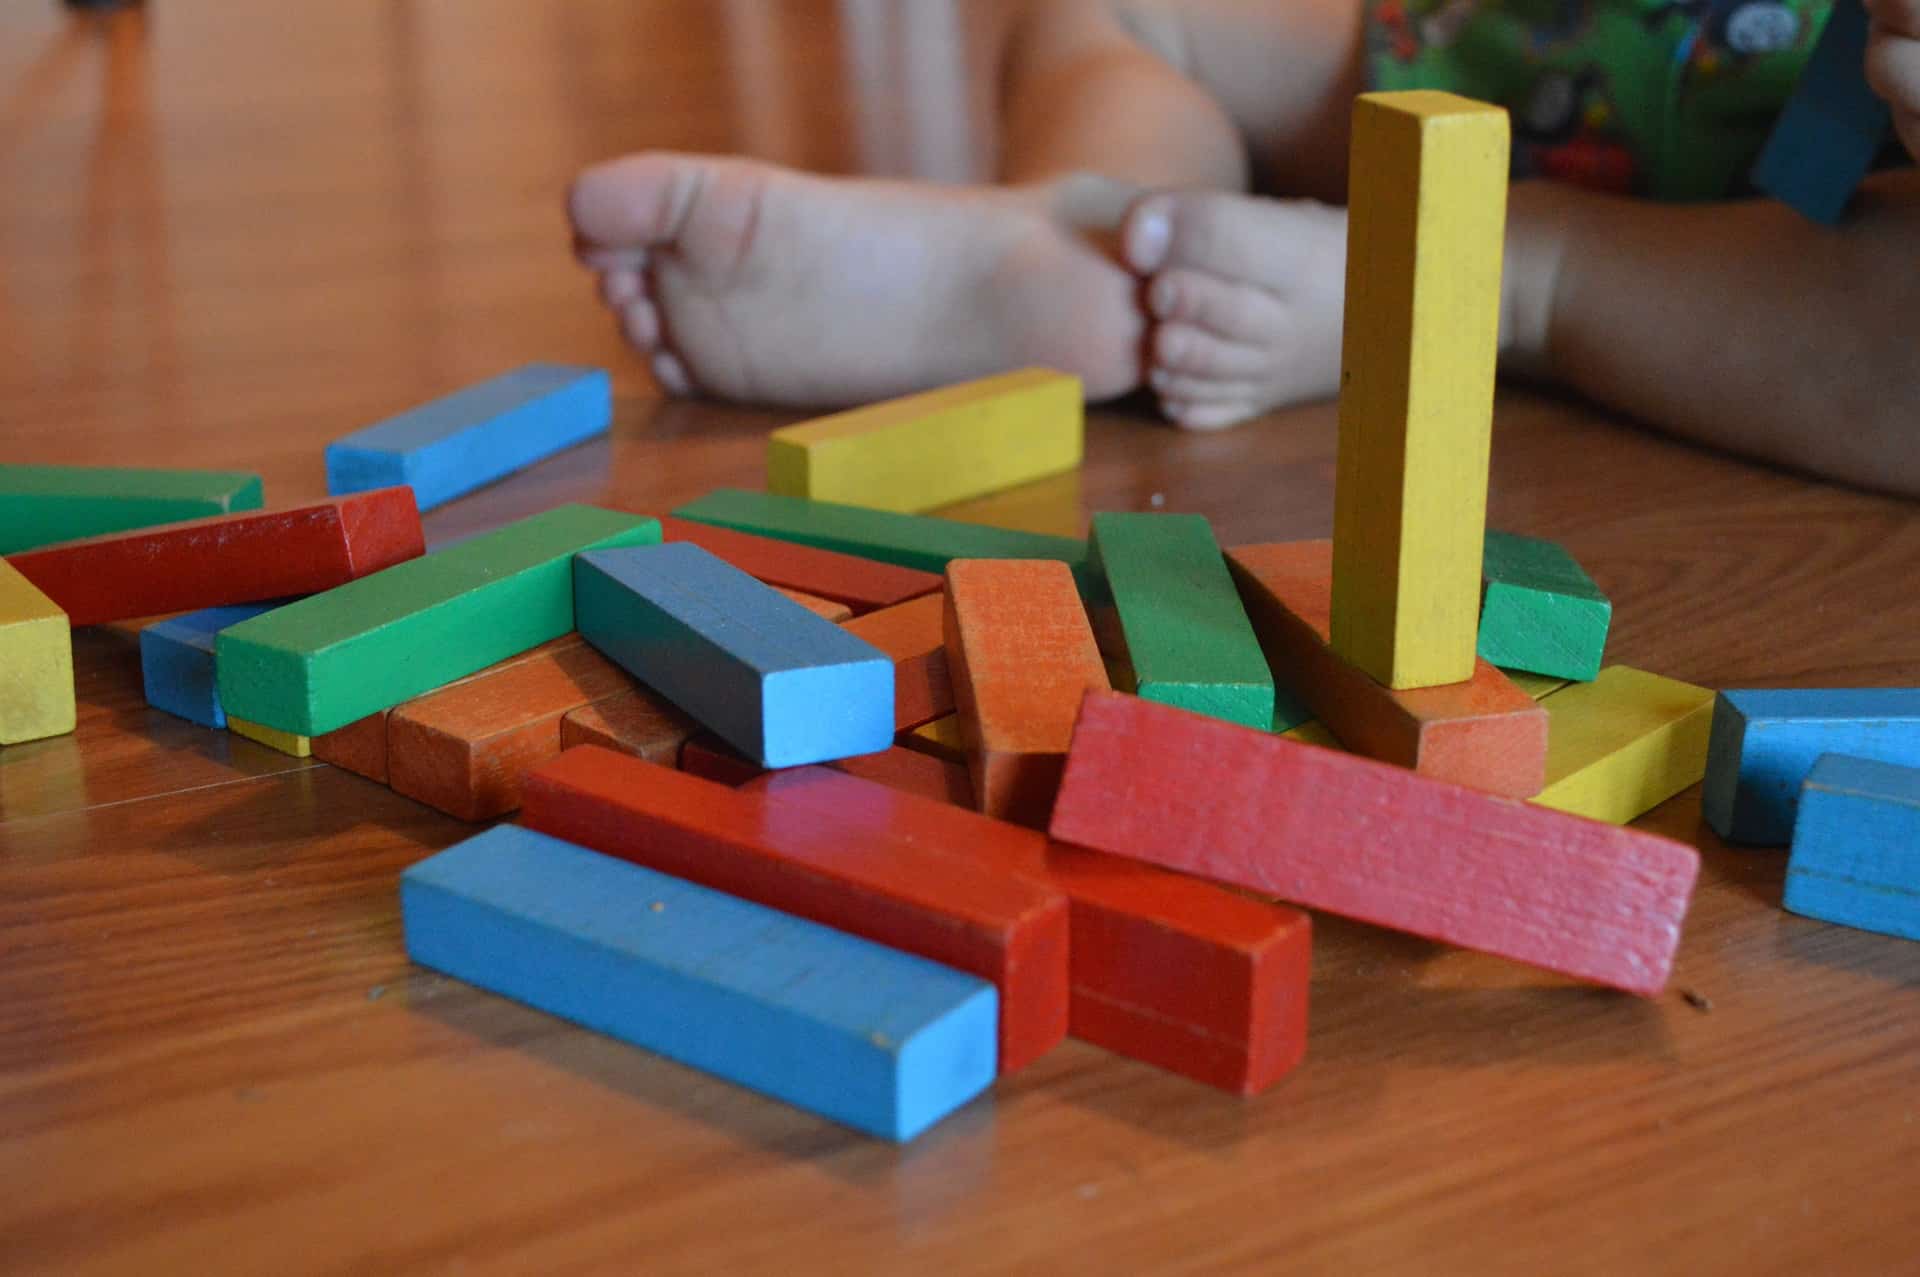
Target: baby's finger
[1893, 70]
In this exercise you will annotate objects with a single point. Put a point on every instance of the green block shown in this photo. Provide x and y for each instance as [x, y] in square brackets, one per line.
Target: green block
[325, 661]
[1541, 612]
[1188, 637]
[1288, 712]
[40, 505]
[910, 540]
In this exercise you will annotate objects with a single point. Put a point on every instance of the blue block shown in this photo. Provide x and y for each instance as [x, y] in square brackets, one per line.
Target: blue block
[1856, 846]
[176, 661]
[1764, 743]
[883, 1041]
[1832, 127]
[472, 437]
[773, 680]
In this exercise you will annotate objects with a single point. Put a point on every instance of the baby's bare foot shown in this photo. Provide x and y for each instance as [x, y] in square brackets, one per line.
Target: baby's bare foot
[1246, 297]
[752, 282]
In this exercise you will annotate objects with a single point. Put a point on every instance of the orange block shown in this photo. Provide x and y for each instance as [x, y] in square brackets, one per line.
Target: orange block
[633, 722]
[916, 773]
[1022, 656]
[710, 758]
[914, 635]
[826, 608]
[465, 748]
[1485, 732]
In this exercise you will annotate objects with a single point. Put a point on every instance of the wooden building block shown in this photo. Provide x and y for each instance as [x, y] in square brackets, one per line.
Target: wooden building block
[176, 661]
[998, 928]
[825, 609]
[914, 541]
[1856, 846]
[41, 505]
[911, 771]
[884, 1042]
[934, 448]
[1540, 612]
[1187, 636]
[862, 584]
[292, 744]
[1623, 744]
[1832, 128]
[633, 722]
[1764, 742]
[1022, 655]
[464, 749]
[707, 756]
[1538, 686]
[1426, 221]
[1167, 969]
[1375, 842]
[321, 663]
[473, 437]
[227, 559]
[770, 678]
[36, 662]
[1484, 732]
[1313, 732]
[942, 739]
[914, 635]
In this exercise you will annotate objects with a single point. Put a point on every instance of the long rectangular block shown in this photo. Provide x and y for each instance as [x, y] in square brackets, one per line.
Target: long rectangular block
[825, 609]
[1375, 842]
[36, 662]
[227, 559]
[1764, 742]
[909, 770]
[456, 443]
[1832, 128]
[773, 680]
[1856, 846]
[176, 661]
[1022, 655]
[862, 584]
[1540, 611]
[884, 1042]
[1623, 744]
[710, 758]
[1006, 931]
[1426, 221]
[1166, 969]
[1187, 636]
[321, 663]
[41, 505]
[935, 448]
[635, 722]
[292, 744]
[913, 634]
[914, 541]
[1484, 732]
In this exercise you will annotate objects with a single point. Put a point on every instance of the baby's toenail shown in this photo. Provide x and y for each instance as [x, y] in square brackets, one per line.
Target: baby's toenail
[1149, 235]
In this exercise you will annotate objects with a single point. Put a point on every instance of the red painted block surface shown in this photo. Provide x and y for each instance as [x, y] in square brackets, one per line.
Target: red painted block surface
[1166, 969]
[1022, 654]
[633, 722]
[825, 609]
[1372, 841]
[710, 758]
[914, 635]
[1485, 732]
[1003, 929]
[862, 584]
[916, 773]
[230, 558]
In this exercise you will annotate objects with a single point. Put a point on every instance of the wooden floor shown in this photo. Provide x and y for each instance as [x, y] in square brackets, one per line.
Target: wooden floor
[230, 232]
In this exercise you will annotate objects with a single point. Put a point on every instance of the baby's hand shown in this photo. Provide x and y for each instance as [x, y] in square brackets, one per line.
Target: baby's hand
[1893, 64]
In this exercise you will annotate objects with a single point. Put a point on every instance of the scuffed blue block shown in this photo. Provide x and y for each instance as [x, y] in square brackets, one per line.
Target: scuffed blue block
[1856, 846]
[882, 1041]
[472, 437]
[773, 680]
[1763, 744]
[1832, 127]
[176, 661]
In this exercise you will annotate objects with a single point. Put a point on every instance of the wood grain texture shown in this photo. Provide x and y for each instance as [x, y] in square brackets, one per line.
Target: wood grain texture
[862, 584]
[914, 635]
[633, 722]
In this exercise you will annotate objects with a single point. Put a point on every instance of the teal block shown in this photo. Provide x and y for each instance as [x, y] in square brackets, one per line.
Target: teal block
[42, 505]
[1540, 611]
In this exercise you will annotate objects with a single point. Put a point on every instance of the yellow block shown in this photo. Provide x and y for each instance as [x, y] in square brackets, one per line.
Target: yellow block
[272, 737]
[910, 455]
[941, 738]
[1538, 686]
[1312, 733]
[1623, 744]
[1425, 222]
[36, 662]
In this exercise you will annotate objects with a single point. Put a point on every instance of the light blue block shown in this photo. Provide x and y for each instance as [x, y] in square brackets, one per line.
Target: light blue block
[176, 661]
[1856, 846]
[770, 678]
[1832, 127]
[472, 437]
[882, 1041]
[1764, 742]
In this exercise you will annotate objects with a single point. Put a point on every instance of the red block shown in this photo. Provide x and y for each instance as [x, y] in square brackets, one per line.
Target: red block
[913, 772]
[1338, 832]
[1166, 969]
[862, 584]
[229, 558]
[913, 634]
[634, 722]
[1001, 929]
[710, 758]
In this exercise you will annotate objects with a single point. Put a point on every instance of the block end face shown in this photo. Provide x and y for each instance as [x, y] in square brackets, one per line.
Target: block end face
[786, 466]
[821, 713]
[946, 1064]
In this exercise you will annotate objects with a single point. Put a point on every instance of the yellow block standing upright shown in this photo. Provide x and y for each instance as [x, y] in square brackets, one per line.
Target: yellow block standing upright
[953, 444]
[1425, 225]
[1623, 744]
[36, 662]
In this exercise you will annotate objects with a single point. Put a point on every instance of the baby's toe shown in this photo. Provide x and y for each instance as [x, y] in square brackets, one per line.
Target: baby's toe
[1227, 309]
[622, 286]
[1189, 350]
[640, 322]
[1197, 415]
[1181, 388]
[671, 374]
[1237, 237]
